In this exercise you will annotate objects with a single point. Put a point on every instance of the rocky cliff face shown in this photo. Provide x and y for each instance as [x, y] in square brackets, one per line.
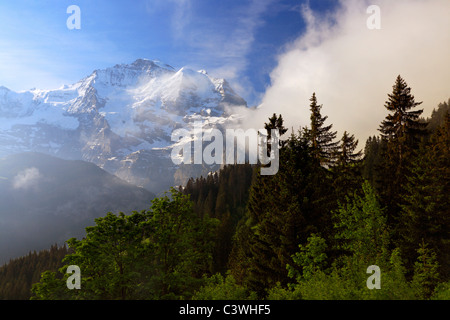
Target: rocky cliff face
[120, 118]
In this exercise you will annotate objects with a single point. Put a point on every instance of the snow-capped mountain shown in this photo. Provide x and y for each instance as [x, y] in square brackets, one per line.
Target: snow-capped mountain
[120, 118]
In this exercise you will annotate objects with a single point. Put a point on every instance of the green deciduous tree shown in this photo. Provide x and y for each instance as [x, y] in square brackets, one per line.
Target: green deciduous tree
[311, 258]
[361, 227]
[50, 287]
[161, 253]
[218, 287]
[178, 245]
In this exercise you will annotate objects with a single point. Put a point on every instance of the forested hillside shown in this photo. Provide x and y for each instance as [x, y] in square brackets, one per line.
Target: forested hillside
[309, 232]
[19, 274]
[222, 196]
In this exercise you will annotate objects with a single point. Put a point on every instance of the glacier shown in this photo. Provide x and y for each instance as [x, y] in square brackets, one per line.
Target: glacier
[120, 118]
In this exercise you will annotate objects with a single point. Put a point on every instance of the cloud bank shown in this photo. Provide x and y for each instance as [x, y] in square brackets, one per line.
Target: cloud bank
[352, 68]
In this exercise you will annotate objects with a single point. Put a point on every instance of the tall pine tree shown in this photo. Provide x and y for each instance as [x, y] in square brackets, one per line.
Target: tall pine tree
[275, 123]
[320, 136]
[279, 217]
[401, 131]
[283, 211]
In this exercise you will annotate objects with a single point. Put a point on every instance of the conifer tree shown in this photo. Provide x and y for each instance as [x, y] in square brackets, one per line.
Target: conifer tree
[348, 166]
[346, 154]
[275, 123]
[426, 274]
[372, 160]
[322, 149]
[320, 137]
[18, 276]
[224, 196]
[438, 116]
[283, 210]
[401, 131]
[426, 201]
[275, 222]
[401, 127]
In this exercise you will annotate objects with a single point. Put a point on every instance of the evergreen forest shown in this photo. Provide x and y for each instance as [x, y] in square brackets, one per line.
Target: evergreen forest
[309, 232]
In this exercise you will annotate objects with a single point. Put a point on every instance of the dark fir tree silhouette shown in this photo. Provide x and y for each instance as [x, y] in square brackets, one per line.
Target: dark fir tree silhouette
[401, 131]
[347, 169]
[401, 127]
[283, 210]
[372, 160]
[320, 136]
[346, 154]
[276, 221]
[275, 123]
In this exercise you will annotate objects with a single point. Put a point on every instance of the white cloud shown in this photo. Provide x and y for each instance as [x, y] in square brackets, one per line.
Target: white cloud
[352, 68]
[27, 179]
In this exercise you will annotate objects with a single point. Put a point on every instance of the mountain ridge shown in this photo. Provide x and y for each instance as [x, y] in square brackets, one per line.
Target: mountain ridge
[109, 115]
[47, 200]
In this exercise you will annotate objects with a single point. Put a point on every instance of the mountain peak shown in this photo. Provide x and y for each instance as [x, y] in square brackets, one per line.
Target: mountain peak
[114, 112]
[123, 75]
[147, 63]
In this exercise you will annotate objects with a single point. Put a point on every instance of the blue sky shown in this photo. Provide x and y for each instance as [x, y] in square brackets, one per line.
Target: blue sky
[275, 53]
[235, 39]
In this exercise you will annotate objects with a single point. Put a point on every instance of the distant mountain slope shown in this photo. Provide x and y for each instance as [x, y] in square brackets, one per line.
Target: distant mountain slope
[44, 199]
[118, 118]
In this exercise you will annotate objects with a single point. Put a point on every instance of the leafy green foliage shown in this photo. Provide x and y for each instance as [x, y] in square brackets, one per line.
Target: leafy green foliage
[441, 292]
[426, 275]
[156, 254]
[361, 227]
[311, 258]
[218, 287]
[50, 287]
